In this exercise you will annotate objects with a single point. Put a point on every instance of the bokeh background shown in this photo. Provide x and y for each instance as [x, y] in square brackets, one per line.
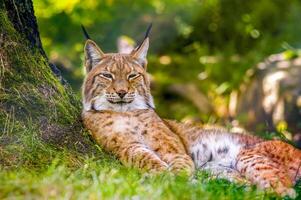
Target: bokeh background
[202, 52]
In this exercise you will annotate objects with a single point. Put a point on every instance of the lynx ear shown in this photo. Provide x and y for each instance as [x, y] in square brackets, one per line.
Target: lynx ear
[140, 52]
[93, 55]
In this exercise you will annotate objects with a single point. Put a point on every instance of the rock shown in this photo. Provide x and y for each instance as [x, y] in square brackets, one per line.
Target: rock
[271, 99]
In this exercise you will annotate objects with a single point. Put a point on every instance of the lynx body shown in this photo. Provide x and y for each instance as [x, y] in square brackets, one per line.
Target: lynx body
[119, 112]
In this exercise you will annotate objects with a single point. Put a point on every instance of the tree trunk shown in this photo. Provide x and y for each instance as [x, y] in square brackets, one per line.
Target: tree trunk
[31, 90]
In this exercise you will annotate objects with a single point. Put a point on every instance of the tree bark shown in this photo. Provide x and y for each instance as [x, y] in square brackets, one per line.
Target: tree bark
[21, 15]
[30, 93]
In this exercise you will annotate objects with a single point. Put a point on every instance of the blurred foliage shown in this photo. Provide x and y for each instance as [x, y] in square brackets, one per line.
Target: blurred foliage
[208, 43]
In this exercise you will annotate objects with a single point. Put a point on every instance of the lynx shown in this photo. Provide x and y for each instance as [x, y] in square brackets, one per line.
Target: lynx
[118, 110]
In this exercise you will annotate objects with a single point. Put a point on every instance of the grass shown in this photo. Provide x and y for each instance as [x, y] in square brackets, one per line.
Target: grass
[96, 180]
[30, 168]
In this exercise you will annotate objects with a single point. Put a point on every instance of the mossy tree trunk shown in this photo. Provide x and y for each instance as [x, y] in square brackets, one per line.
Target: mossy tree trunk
[31, 89]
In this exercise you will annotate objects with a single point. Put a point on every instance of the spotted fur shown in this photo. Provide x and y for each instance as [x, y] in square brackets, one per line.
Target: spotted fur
[119, 112]
[268, 164]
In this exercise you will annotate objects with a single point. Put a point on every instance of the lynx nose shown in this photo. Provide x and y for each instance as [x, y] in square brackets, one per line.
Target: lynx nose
[121, 93]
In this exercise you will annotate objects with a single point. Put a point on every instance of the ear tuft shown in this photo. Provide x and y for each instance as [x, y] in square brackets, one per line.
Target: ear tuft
[141, 52]
[93, 54]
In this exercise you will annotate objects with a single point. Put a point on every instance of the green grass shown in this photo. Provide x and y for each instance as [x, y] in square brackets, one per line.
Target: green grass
[30, 168]
[98, 180]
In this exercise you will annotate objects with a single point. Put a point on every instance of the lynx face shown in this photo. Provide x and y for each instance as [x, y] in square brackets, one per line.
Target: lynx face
[117, 82]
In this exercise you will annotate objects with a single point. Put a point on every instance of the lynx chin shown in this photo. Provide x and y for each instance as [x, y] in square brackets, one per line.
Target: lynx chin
[118, 110]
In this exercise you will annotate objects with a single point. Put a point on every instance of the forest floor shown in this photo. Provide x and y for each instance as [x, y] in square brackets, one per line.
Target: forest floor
[33, 169]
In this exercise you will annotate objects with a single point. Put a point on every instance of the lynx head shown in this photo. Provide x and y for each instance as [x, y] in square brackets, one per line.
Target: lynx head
[116, 81]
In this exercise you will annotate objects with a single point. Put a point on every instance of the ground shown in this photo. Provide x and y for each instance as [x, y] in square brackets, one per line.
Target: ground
[33, 169]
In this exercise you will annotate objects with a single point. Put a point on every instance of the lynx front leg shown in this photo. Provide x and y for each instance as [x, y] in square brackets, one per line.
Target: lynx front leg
[117, 133]
[139, 156]
[168, 147]
[171, 150]
[131, 152]
[263, 172]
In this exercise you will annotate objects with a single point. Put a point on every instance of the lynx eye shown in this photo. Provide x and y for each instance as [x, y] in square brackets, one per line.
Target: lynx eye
[132, 76]
[107, 75]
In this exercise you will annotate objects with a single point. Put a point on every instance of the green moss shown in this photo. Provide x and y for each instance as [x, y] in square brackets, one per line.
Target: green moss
[33, 98]
[29, 86]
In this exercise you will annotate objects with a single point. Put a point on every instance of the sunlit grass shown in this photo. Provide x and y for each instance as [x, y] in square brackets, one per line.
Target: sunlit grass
[33, 169]
[95, 179]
